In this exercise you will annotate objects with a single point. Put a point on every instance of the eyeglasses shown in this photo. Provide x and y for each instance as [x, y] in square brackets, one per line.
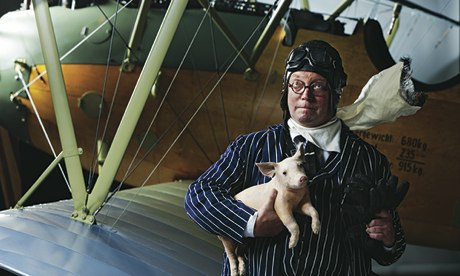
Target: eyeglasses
[317, 88]
[315, 57]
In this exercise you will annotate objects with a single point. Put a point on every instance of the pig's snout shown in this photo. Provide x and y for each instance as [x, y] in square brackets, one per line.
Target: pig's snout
[303, 179]
[300, 184]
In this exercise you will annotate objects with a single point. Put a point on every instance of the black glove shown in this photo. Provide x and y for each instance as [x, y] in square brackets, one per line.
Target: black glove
[362, 199]
[356, 198]
[386, 195]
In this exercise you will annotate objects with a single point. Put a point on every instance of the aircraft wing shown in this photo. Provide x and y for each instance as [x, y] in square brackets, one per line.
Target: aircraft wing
[153, 236]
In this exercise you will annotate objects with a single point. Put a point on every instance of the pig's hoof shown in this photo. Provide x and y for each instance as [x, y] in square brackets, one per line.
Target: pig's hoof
[315, 227]
[234, 272]
[242, 269]
[292, 243]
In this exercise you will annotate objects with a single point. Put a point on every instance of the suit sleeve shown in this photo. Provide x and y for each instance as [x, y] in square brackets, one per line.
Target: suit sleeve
[387, 257]
[209, 200]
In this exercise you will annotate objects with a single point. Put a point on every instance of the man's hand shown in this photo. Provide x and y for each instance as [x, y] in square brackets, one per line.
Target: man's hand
[381, 228]
[268, 223]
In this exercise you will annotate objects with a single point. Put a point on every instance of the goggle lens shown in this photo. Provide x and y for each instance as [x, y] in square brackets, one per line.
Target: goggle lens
[316, 58]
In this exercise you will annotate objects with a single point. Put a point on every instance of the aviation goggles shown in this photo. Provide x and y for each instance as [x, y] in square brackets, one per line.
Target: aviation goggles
[310, 59]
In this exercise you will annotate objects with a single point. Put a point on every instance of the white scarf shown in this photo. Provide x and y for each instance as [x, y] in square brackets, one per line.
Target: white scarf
[381, 100]
[326, 137]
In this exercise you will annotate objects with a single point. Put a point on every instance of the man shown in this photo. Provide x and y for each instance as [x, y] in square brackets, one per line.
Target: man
[313, 82]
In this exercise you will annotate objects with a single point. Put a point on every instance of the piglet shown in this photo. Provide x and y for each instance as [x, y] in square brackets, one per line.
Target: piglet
[289, 179]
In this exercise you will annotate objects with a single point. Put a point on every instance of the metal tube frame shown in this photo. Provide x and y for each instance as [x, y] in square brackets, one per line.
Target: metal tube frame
[269, 30]
[85, 212]
[135, 106]
[60, 102]
[39, 180]
[136, 36]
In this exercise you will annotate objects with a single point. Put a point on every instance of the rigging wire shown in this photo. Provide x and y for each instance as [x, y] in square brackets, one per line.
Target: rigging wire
[74, 48]
[198, 79]
[227, 132]
[211, 124]
[118, 78]
[112, 102]
[115, 23]
[264, 90]
[187, 124]
[167, 92]
[130, 170]
[63, 57]
[179, 116]
[42, 126]
[96, 151]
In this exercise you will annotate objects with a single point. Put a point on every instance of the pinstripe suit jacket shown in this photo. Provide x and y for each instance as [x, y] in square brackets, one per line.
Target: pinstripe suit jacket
[210, 204]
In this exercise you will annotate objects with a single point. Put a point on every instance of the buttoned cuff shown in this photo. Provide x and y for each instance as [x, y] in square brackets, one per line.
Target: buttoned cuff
[249, 230]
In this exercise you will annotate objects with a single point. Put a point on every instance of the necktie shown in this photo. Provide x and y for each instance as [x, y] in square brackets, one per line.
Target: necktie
[311, 159]
[299, 140]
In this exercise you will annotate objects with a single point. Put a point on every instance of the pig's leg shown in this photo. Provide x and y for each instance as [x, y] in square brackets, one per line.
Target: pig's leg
[308, 209]
[230, 250]
[284, 212]
[241, 267]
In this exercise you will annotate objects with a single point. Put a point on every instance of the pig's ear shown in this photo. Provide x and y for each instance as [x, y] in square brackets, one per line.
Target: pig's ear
[300, 152]
[267, 168]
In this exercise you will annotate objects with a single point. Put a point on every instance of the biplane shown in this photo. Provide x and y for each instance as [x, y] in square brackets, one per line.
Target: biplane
[129, 101]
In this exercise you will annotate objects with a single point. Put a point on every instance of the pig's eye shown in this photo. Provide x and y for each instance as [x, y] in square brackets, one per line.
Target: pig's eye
[284, 173]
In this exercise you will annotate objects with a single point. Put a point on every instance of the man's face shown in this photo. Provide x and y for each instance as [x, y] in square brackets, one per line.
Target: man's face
[306, 108]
